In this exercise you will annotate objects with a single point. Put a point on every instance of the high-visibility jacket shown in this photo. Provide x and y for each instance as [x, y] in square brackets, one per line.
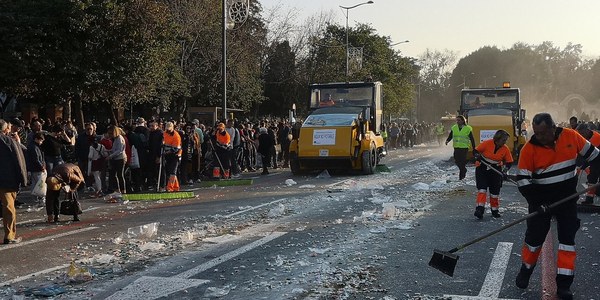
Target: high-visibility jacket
[545, 173]
[460, 137]
[223, 139]
[439, 129]
[491, 155]
[595, 139]
[172, 142]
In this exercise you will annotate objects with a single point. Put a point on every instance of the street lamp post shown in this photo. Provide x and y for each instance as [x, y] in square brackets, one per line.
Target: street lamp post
[464, 79]
[398, 43]
[236, 12]
[485, 80]
[348, 8]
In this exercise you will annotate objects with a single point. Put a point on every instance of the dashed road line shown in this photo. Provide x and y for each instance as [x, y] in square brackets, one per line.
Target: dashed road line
[252, 208]
[29, 242]
[225, 257]
[493, 280]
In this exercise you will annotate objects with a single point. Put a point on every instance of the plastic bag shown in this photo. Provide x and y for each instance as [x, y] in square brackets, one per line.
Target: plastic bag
[143, 232]
[134, 162]
[40, 188]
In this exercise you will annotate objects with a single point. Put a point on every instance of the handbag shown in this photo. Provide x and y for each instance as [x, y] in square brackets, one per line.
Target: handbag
[71, 207]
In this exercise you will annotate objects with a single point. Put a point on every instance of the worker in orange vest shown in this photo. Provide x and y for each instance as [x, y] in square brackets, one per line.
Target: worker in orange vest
[222, 148]
[547, 174]
[495, 153]
[172, 155]
[593, 171]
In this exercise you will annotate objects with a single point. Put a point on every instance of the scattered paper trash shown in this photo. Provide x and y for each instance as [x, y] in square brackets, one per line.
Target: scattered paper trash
[290, 182]
[113, 198]
[46, 291]
[378, 230]
[319, 250]
[438, 183]
[389, 211]
[277, 211]
[420, 186]
[307, 186]
[188, 237]
[119, 239]
[324, 174]
[76, 274]
[143, 232]
[215, 292]
[104, 259]
[151, 246]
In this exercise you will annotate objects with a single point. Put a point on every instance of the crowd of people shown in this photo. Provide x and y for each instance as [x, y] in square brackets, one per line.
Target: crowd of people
[407, 135]
[130, 157]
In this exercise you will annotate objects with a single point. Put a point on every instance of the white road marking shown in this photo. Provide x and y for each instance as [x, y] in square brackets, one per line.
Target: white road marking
[148, 287]
[25, 243]
[36, 274]
[252, 208]
[414, 159]
[338, 183]
[495, 276]
[38, 220]
[227, 256]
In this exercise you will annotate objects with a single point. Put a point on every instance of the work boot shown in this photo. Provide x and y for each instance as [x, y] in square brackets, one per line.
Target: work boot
[496, 213]
[588, 200]
[522, 280]
[479, 212]
[50, 219]
[564, 294]
[563, 287]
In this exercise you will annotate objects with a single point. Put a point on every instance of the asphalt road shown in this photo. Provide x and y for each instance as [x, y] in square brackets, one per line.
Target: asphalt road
[340, 237]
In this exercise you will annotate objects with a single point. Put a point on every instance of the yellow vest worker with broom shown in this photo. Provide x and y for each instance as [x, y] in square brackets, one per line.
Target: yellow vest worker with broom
[172, 155]
[547, 174]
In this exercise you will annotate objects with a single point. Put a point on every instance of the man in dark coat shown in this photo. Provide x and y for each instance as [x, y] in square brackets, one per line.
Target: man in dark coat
[265, 146]
[13, 175]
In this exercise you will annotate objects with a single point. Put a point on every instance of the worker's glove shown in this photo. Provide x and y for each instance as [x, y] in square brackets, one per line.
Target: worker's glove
[476, 154]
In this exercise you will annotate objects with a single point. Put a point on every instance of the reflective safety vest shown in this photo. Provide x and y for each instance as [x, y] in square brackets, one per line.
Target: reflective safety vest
[553, 168]
[439, 129]
[460, 137]
[493, 156]
[595, 139]
[172, 142]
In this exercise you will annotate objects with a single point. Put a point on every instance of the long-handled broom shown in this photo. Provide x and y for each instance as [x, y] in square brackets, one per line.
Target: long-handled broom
[445, 261]
[496, 170]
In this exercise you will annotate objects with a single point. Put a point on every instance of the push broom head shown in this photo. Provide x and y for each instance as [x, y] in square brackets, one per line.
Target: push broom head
[444, 261]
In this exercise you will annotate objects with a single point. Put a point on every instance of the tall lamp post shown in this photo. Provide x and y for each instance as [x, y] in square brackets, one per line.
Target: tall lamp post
[234, 11]
[398, 43]
[465, 80]
[348, 8]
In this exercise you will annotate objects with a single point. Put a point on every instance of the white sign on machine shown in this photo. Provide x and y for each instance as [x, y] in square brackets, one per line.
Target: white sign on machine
[485, 135]
[323, 137]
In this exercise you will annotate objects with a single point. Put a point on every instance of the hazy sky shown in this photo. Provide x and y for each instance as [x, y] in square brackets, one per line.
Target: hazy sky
[466, 25]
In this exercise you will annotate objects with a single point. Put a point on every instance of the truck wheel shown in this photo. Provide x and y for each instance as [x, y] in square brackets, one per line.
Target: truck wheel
[294, 164]
[368, 163]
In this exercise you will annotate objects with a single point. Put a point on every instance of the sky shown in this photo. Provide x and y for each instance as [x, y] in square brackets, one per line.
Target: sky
[464, 26]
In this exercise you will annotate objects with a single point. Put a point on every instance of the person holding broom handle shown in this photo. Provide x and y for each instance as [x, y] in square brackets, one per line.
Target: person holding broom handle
[546, 174]
[172, 155]
[495, 154]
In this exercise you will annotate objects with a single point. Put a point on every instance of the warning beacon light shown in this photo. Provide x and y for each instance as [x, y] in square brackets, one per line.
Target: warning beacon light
[506, 84]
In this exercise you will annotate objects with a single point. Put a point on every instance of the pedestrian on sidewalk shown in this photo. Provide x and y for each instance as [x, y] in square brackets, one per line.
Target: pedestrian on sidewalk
[460, 135]
[36, 164]
[547, 174]
[495, 153]
[265, 144]
[13, 175]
